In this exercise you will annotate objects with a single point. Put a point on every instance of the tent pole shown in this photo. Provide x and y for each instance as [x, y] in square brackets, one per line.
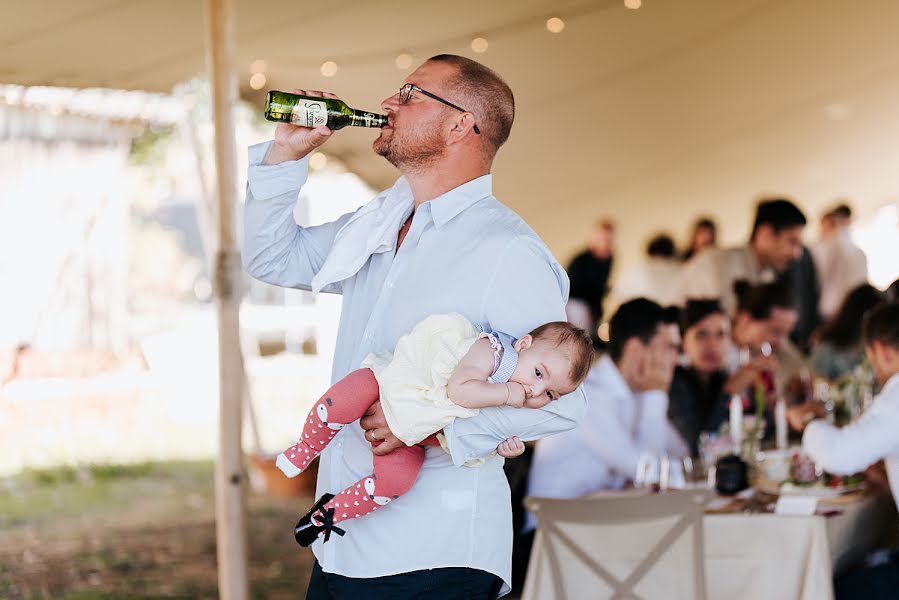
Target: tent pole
[230, 526]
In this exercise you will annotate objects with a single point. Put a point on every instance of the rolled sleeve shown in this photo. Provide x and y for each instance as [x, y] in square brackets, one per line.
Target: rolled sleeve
[478, 436]
[853, 448]
[275, 249]
[269, 181]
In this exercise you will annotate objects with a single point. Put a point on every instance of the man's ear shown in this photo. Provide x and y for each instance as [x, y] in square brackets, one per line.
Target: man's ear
[523, 343]
[461, 124]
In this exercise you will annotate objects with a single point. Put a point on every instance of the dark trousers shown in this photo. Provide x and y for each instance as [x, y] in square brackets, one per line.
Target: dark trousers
[450, 583]
[880, 582]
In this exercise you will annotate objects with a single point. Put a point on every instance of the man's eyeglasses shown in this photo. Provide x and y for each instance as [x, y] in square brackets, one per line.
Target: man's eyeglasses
[406, 95]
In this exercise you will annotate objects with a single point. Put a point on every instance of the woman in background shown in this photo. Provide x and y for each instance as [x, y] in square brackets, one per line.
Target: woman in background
[838, 349]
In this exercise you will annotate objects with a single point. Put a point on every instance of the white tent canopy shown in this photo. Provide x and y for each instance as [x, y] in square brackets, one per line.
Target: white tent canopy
[652, 115]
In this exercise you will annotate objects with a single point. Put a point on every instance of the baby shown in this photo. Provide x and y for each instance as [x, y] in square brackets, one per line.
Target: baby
[445, 368]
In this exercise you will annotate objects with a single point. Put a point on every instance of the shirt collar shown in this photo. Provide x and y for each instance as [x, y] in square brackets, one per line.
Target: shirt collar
[446, 206]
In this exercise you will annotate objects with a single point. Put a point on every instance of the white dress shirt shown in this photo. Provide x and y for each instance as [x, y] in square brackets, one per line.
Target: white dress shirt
[853, 448]
[603, 451]
[464, 252]
[841, 266]
[712, 273]
[656, 278]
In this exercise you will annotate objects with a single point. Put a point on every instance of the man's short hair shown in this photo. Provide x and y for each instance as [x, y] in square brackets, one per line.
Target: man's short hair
[842, 211]
[638, 318]
[661, 245]
[759, 300]
[881, 324]
[578, 342]
[485, 94]
[779, 214]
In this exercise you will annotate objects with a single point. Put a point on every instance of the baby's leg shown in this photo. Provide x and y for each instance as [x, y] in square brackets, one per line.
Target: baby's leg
[393, 476]
[345, 402]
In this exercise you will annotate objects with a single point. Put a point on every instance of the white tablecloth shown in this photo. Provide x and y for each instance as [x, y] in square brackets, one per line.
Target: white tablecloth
[774, 557]
[786, 557]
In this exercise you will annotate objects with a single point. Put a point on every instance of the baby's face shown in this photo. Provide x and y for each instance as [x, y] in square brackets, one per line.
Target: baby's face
[544, 370]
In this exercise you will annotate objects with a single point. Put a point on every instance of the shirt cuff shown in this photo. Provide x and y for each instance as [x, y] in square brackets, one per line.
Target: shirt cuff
[268, 181]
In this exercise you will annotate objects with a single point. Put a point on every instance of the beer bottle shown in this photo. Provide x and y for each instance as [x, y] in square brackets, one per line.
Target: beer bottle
[309, 111]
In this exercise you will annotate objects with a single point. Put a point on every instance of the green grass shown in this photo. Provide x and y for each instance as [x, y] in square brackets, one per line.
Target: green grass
[37, 496]
[136, 531]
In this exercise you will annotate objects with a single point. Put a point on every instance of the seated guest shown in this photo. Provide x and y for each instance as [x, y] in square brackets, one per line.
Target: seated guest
[698, 400]
[760, 332]
[869, 439]
[839, 348]
[627, 393]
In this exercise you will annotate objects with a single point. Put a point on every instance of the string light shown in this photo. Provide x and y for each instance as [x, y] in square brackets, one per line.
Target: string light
[479, 45]
[329, 68]
[403, 60]
[258, 66]
[633, 4]
[257, 81]
[555, 24]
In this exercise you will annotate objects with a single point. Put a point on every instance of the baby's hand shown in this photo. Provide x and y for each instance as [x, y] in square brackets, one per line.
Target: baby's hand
[510, 448]
[516, 394]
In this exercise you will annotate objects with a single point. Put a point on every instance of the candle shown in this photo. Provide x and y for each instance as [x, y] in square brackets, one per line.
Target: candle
[736, 422]
[780, 423]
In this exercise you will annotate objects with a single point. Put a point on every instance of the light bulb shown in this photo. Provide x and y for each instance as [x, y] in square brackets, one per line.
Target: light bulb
[555, 24]
[329, 68]
[257, 81]
[479, 45]
[403, 60]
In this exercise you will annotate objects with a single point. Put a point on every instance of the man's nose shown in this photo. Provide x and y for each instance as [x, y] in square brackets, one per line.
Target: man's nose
[390, 103]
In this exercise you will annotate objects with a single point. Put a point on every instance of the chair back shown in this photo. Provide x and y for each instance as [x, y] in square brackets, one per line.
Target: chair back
[635, 547]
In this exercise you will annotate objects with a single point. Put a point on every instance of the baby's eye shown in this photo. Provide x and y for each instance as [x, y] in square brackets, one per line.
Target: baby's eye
[538, 373]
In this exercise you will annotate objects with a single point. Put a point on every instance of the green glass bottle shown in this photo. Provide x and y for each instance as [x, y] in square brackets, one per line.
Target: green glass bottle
[309, 111]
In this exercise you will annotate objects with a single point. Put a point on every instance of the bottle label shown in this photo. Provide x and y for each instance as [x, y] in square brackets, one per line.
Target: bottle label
[309, 113]
[365, 119]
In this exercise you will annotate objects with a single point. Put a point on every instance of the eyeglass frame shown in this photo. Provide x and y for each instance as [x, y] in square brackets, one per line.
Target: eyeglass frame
[412, 87]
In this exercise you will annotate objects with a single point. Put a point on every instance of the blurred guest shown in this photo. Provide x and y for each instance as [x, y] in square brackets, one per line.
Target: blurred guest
[704, 235]
[698, 401]
[872, 437]
[839, 347]
[840, 263]
[761, 351]
[589, 276]
[802, 281]
[775, 243]
[654, 279]
[627, 393]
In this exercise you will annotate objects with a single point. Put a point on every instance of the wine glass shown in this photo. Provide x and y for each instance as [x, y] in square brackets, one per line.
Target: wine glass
[676, 473]
[648, 470]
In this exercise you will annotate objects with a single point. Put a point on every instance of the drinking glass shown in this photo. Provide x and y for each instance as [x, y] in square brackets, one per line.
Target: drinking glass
[648, 470]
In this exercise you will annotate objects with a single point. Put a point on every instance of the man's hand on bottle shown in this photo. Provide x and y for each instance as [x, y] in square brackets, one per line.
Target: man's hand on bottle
[293, 142]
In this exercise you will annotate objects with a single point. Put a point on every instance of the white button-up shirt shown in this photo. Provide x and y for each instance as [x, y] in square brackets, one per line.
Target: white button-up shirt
[604, 450]
[465, 252]
[853, 448]
[712, 273]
